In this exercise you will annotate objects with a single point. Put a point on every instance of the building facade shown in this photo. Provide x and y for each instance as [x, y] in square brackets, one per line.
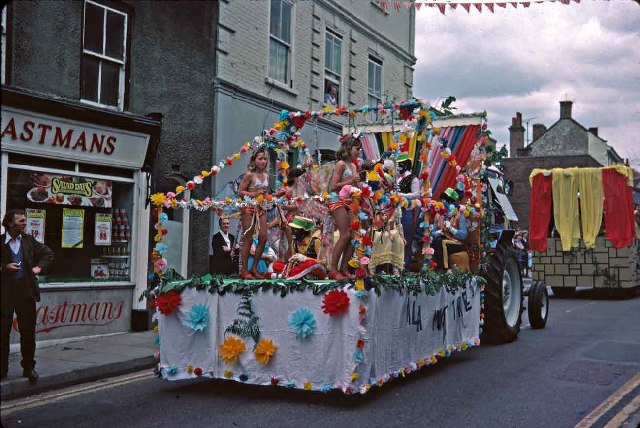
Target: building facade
[565, 144]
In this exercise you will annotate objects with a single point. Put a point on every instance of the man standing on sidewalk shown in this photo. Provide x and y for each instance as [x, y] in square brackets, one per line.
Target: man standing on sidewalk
[22, 259]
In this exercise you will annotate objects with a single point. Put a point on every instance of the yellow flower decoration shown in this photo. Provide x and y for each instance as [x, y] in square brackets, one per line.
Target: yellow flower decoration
[190, 368]
[354, 376]
[464, 346]
[179, 189]
[359, 284]
[434, 359]
[231, 349]
[227, 200]
[228, 373]
[158, 199]
[259, 199]
[441, 352]
[236, 156]
[155, 328]
[307, 385]
[205, 173]
[436, 131]
[421, 362]
[264, 351]
[284, 165]
[354, 263]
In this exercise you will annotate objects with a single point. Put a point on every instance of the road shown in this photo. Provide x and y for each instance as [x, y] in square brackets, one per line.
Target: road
[548, 378]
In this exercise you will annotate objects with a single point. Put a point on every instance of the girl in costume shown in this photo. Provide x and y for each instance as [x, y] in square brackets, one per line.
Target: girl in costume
[254, 183]
[345, 174]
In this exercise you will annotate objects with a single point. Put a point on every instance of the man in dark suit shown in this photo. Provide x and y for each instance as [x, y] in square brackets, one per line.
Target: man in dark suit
[223, 260]
[22, 259]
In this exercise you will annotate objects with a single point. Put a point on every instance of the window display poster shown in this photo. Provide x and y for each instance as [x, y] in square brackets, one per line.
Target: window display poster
[35, 223]
[72, 228]
[69, 190]
[103, 229]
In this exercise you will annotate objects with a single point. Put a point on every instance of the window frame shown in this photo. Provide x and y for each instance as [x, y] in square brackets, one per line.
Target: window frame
[122, 63]
[330, 73]
[5, 44]
[376, 62]
[288, 80]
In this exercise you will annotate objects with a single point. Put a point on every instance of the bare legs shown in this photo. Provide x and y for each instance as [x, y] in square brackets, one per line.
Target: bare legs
[343, 246]
[247, 240]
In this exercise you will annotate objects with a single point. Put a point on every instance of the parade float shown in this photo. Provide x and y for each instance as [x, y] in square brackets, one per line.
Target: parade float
[582, 230]
[349, 334]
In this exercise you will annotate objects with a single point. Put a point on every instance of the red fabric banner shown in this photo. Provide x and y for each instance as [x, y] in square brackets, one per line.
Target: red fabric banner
[618, 208]
[540, 211]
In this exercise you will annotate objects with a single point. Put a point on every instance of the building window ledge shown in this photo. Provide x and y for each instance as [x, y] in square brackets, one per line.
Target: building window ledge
[279, 85]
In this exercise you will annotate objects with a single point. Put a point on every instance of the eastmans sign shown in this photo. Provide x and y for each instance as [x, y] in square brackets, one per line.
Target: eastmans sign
[48, 136]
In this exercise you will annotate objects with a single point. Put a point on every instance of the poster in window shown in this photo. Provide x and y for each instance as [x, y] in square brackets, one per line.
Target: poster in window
[103, 229]
[72, 228]
[69, 190]
[35, 223]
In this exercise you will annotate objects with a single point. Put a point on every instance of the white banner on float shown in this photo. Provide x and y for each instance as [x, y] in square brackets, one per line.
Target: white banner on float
[400, 332]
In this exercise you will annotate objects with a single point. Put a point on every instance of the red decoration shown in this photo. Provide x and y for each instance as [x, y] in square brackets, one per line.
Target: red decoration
[167, 302]
[299, 121]
[335, 303]
[360, 272]
[191, 185]
[197, 371]
[366, 240]
[355, 225]
[433, 264]
[275, 381]
[366, 191]
[360, 343]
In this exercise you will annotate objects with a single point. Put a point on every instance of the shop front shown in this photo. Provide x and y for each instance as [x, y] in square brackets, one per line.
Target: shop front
[81, 175]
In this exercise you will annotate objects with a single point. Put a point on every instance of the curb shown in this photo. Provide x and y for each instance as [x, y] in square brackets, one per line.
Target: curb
[21, 387]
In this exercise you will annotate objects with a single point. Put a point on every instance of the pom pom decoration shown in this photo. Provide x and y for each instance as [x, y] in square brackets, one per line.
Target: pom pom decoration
[265, 349]
[167, 302]
[302, 322]
[335, 303]
[231, 349]
[197, 318]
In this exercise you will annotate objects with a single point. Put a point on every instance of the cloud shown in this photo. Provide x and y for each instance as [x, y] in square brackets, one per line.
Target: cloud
[529, 59]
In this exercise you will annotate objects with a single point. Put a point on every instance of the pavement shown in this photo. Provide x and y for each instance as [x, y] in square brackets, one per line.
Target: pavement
[77, 360]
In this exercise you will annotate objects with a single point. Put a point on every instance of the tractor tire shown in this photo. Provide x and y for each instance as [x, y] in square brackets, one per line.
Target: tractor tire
[503, 297]
[563, 292]
[538, 305]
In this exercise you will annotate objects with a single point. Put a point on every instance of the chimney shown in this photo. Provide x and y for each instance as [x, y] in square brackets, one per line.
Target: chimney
[594, 131]
[516, 137]
[565, 109]
[538, 130]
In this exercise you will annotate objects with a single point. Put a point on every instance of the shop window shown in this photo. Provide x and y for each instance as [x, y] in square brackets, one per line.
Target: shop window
[3, 52]
[374, 88]
[332, 69]
[104, 55]
[87, 222]
[280, 41]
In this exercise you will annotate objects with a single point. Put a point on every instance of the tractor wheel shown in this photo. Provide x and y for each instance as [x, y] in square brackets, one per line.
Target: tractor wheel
[503, 296]
[563, 292]
[538, 305]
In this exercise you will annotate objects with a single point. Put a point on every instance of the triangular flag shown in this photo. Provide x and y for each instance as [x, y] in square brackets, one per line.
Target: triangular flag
[408, 4]
[383, 6]
[514, 4]
[577, 1]
[418, 5]
[466, 6]
[489, 6]
[478, 6]
[526, 4]
[503, 5]
[453, 5]
[397, 5]
[565, 1]
[442, 6]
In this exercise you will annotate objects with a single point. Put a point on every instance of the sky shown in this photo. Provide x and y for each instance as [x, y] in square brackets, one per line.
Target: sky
[528, 60]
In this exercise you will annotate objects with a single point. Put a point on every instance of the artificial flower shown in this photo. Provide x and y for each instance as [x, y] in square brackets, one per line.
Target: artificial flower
[171, 370]
[190, 368]
[358, 356]
[264, 351]
[179, 189]
[360, 343]
[158, 199]
[335, 303]
[231, 349]
[167, 302]
[197, 318]
[302, 322]
[360, 272]
[307, 385]
[197, 371]
[354, 376]
[243, 378]
[156, 355]
[274, 380]
[326, 387]
[228, 374]
[359, 284]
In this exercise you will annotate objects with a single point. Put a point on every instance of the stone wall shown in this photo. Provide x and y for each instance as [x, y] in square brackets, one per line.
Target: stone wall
[601, 267]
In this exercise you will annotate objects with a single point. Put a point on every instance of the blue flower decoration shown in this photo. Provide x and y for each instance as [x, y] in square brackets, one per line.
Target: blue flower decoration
[243, 378]
[367, 251]
[302, 322]
[363, 216]
[156, 340]
[355, 243]
[333, 197]
[326, 387]
[163, 218]
[171, 371]
[361, 294]
[152, 276]
[284, 114]
[197, 318]
[358, 356]
[161, 248]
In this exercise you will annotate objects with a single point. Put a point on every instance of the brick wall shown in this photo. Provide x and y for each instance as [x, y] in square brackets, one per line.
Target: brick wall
[603, 266]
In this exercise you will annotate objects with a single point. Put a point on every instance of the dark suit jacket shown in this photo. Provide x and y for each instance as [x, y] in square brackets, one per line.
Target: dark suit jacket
[221, 262]
[35, 254]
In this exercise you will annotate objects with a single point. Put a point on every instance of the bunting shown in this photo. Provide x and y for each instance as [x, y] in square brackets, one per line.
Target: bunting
[443, 5]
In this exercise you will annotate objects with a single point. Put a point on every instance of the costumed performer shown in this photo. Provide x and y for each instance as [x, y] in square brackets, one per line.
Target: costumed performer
[255, 182]
[409, 189]
[344, 177]
[306, 244]
[448, 234]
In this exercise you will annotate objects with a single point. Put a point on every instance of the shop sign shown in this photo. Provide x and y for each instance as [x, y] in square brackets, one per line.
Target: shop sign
[42, 135]
[69, 190]
[35, 223]
[103, 229]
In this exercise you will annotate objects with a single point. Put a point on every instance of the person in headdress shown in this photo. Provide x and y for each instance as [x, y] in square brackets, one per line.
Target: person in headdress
[409, 189]
[447, 235]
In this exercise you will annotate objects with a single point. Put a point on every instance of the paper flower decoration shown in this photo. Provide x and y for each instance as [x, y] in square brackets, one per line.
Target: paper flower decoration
[197, 318]
[171, 371]
[307, 385]
[335, 303]
[197, 371]
[302, 322]
[231, 348]
[167, 302]
[228, 374]
[326, 387]
[264, 351]
[158, 199]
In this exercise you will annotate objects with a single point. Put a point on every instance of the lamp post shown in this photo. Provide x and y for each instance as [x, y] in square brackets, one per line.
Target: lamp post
[527, 122]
